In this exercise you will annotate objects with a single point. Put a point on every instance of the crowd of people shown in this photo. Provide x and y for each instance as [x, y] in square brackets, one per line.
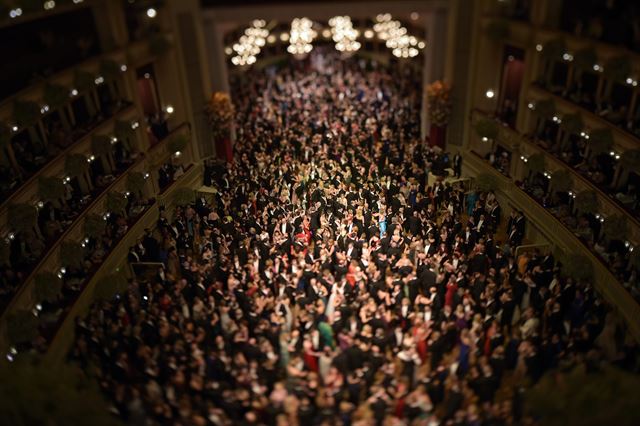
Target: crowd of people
[27, 248]
[597, 167]
[328, 280]
[616, 253]
[30, 149]
[95, 251]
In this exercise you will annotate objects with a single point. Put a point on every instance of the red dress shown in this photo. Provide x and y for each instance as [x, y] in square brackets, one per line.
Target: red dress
[311, 361]
[452, 288]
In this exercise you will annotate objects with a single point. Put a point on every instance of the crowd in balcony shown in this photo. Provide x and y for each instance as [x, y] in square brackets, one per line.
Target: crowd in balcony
[168, 173]
[589, 226]
[30, 148]
[327, 279]
[75, 276]
[614, 21]
[54, 217]
[592, 155]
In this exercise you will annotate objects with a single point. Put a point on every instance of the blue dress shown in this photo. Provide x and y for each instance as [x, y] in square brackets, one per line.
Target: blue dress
[472, 197]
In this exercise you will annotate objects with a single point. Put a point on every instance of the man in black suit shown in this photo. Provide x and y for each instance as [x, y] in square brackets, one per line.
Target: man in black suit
[495, 212]
[457, 165]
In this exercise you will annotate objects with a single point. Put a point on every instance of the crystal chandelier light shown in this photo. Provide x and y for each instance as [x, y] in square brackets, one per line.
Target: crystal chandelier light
[396, 37]
[250, 43]
[301, 36]
[343, 34]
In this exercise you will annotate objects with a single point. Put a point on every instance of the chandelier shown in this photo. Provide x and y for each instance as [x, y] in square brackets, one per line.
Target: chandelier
[301, 37]
[250, 43]
[343, 34]
[396, 37]
[340, 29]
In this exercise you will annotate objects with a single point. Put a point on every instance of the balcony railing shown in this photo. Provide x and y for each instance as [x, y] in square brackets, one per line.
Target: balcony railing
[624, 134]
[23, 298]
[514, 141]
[560, 236]
[63, 335]
[17, 194]
[623, 142]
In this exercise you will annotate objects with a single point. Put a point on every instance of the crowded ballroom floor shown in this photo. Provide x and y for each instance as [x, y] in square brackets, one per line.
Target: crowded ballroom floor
[339, 274]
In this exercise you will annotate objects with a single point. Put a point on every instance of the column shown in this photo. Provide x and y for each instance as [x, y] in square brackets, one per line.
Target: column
[110, 24]
[434, 54]
[193, 85]
[218, 68]
[218, 73]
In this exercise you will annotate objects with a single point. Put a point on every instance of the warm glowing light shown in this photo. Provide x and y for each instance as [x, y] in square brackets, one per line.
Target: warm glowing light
[151, 12]
[301, 37]
[489, 94]
[396, 37]
[343, 34]
[250, 43]
[14, 13]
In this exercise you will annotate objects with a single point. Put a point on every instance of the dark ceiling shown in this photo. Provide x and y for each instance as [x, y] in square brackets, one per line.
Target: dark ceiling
[222, 3]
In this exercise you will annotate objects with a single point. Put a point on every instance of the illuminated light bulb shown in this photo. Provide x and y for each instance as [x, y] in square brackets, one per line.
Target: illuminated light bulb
[151, 12]
[169, 109]
[249, 44]
[74, 92]
[489, 94]
[123, 67]
[14, 13]
[301, 37]
[539, 47]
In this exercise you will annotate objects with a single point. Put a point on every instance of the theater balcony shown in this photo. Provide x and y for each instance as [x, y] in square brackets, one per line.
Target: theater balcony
[83, 143]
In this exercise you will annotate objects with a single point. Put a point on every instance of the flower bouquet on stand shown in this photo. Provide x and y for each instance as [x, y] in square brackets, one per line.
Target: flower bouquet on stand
[439, 110]
[219, 112]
